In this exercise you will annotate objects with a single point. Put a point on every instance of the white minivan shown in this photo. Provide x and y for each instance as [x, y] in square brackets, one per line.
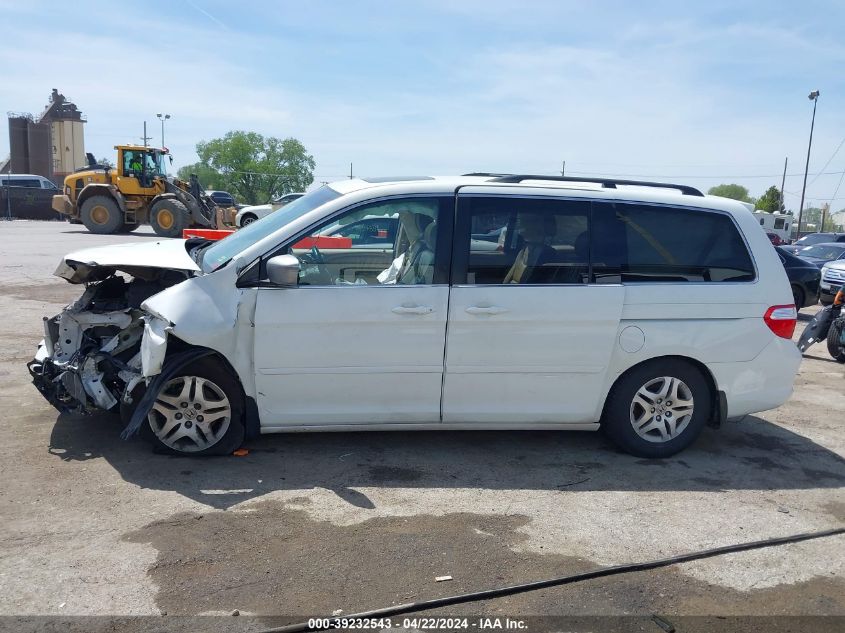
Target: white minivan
[646, 310]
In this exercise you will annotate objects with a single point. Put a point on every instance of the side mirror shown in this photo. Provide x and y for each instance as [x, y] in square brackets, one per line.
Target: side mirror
[283, 271]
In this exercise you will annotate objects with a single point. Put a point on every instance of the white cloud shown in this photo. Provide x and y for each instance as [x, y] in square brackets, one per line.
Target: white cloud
[659, 99]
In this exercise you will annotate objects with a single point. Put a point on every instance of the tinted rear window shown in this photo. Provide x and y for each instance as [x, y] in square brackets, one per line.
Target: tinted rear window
[649, 243]
[22, 182]
[816, 238]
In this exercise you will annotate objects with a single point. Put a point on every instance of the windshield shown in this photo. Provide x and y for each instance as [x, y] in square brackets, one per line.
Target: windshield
[826, 252]
[814, 238]
[159, 166]
[224, 250]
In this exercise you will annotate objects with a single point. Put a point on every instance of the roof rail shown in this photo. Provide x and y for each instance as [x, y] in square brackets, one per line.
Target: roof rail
[608, 183]
[487, 174]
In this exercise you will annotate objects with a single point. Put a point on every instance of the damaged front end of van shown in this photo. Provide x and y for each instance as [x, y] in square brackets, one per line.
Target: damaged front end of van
[100, 348]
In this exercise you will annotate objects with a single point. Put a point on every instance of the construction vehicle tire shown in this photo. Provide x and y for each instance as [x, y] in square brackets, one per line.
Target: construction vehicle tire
[168, 217]
[101, 214]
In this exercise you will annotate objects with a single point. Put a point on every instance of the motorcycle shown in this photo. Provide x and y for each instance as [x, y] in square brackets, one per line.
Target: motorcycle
[829, 325]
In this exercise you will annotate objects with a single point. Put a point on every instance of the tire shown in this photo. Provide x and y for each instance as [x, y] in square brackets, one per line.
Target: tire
[168, 217]
[102, 215]
[834, 347]
[627, 406]
[249, 218]
[204, 386]
[798, 297]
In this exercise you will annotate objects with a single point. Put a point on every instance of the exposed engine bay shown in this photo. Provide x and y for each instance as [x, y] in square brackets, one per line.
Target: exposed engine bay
[90, 358]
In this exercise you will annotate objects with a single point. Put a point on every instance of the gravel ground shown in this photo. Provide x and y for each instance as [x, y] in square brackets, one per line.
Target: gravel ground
[93, 526]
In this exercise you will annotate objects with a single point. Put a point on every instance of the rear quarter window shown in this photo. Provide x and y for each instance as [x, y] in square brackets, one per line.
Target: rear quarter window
[652, 243]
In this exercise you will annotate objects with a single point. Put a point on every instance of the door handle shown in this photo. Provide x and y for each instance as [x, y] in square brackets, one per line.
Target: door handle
[486, 310]
[412, 310]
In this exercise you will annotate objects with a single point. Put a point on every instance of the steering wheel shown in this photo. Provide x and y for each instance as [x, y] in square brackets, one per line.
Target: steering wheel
[319, 261]
[317, 256]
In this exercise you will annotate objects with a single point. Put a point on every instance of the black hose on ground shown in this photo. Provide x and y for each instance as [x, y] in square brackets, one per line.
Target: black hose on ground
[487, 594]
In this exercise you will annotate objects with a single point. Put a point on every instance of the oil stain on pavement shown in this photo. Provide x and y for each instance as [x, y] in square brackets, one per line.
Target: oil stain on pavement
[274, 560]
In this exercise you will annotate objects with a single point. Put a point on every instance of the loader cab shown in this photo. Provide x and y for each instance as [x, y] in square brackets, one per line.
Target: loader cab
[140, 170]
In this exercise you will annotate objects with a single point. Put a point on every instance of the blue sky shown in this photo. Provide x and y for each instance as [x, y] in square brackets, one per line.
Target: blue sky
[698, 92]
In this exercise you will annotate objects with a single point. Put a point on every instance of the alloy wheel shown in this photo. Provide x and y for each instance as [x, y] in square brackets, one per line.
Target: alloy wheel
[661, 409]
[190, 414]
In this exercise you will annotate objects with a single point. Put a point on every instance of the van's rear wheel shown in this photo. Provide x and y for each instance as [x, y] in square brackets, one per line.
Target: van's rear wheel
[658, 409]
[169, 217]
[101, 214]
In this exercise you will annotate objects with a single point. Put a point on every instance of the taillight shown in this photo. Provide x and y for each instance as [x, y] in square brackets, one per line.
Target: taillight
[781, 320]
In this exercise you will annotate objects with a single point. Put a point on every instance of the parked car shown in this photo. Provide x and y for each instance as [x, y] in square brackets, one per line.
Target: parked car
[649, 311]
[372, 231]
[804, 278]
[250, 214]
[775, 239]
[819, 254]
[833, 278]
[814, 238]
[222, 198]
[30, 181]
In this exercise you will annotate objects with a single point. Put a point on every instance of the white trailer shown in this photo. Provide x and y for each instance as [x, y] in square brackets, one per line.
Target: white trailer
[778, 223]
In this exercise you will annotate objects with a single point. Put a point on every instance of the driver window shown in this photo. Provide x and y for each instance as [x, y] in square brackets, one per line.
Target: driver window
[130, 163]
[385, 243]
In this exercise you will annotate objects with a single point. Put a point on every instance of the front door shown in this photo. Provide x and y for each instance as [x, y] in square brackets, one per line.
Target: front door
[361, 339]
[529, 337]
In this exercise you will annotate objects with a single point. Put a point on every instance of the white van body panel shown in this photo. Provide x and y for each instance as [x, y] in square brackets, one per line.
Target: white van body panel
[719, 325]
[477, 356]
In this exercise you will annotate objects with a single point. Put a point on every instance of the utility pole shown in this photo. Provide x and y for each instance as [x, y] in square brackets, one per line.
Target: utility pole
[825, 209]
[350, 171]
[782, 183]
[814, 97]
[146, 138]
[563, 169]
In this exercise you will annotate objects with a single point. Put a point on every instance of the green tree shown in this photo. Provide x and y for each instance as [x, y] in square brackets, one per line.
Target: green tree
[258, 169]
[811, 219]
[106, 161]
[770, 201]
[735, 192]
[209, 178]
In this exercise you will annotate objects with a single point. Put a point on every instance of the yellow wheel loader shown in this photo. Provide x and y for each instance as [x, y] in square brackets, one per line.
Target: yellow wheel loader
[137, 191]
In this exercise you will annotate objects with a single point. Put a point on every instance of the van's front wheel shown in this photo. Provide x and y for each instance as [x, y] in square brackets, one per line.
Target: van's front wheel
[198, 412]
[658, 408]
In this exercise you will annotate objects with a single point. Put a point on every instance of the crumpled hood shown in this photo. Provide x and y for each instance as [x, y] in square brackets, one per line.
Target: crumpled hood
[91, 264]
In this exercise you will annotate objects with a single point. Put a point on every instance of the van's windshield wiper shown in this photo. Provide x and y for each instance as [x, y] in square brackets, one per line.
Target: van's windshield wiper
[197, 252]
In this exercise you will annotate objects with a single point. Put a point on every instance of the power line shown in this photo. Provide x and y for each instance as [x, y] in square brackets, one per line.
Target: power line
[837, 188]
[798, 195]
[830, 159]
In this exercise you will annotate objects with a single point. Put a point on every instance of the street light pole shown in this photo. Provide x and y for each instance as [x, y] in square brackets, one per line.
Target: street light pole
[814, 97]
[163, 118]
[9, 192]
